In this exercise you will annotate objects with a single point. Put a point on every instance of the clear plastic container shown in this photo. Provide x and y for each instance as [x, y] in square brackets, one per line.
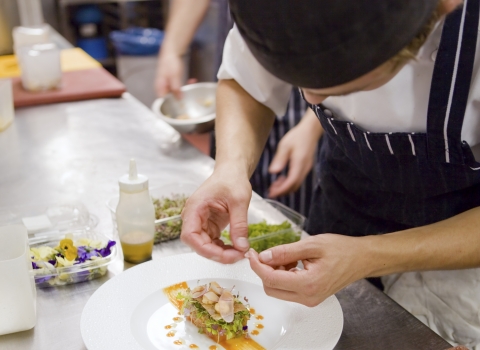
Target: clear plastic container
[167, 228]
[272, 213]
[86, 271]
[47, 225]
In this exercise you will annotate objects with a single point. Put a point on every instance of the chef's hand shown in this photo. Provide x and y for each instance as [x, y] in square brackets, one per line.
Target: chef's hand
[222, 199]
[297, 150]
[169, 76]
[331, 262]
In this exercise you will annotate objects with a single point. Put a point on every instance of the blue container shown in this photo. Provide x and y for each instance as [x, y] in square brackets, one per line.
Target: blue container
[137, 41]
[95, 47]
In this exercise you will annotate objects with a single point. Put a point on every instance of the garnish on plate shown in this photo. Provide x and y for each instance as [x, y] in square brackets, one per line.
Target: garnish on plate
[216, 312]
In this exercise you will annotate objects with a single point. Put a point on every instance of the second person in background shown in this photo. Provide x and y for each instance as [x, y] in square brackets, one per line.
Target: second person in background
[285, 167]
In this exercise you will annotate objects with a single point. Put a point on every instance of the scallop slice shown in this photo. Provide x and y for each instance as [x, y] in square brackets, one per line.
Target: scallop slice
[211, 310]
[215, 287]
[210, 298]
[225, 306]
[197, 292]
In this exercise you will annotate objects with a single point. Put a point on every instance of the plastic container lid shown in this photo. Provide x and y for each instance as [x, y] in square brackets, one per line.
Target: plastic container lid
[133, 182]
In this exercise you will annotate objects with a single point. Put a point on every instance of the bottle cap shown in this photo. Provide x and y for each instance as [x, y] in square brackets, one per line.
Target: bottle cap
[133, 182]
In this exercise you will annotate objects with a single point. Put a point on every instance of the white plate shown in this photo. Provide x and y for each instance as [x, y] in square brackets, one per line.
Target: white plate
[131, 311]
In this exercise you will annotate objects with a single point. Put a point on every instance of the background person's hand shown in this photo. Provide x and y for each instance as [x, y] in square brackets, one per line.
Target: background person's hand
[169, 76]
[221, 200]
[296, 149]
[331, 262]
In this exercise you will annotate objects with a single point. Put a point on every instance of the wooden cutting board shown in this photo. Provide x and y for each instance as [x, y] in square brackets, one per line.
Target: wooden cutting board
[76, 85]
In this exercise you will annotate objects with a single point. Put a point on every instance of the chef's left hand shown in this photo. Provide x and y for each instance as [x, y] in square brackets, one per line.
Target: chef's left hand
[331, 263]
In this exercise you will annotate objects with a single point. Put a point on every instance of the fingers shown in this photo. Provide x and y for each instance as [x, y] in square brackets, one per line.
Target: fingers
[274, 279]
[161, 87]
[273, 191]
[286, 254]
[199, 240]
[175, 85]
[239, 225]
[280, 160]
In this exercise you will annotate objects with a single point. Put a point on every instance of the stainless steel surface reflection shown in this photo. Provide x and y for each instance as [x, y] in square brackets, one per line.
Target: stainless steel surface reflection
[77, 151]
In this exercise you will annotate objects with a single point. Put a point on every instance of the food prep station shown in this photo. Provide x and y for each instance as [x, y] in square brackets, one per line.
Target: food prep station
[75, 152]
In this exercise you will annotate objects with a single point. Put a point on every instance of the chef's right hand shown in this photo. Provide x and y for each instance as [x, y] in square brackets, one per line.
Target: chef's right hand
[222, 199]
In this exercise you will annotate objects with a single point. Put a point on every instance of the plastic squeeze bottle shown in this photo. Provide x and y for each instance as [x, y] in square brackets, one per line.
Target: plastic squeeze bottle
[135, 216]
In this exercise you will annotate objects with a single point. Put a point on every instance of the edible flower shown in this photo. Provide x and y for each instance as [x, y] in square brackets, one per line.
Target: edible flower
[43, 253]
[90, 243]
[85, 253]
[61, 262]
[69, 250]
[106, 251]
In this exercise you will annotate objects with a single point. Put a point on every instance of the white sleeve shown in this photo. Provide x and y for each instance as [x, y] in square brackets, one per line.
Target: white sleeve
[239, 64]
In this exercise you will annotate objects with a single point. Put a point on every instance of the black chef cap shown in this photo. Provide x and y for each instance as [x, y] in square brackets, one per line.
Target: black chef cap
[324, 43]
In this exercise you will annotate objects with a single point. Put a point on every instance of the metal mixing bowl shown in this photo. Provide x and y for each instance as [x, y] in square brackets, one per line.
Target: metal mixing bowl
[194, 113]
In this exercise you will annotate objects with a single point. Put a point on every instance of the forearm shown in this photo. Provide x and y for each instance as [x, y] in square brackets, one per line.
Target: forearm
[242, 127]
[311, 123]
[446, 245]
[184, 18]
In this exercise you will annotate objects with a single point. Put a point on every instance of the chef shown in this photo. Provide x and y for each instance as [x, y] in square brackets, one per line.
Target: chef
[395, 87]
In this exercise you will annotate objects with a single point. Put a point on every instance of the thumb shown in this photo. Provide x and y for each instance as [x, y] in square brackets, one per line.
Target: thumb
[239, 226]
[280, 160]
[285, 254]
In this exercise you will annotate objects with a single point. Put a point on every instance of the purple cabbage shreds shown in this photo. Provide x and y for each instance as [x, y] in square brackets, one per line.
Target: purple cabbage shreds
[34, 265]
[245, 328]
[106, 251]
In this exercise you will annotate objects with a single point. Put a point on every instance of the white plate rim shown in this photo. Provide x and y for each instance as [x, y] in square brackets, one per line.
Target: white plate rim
[105, 320]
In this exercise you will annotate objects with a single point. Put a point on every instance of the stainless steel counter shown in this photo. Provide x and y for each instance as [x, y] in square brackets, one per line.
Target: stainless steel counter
[77, 151]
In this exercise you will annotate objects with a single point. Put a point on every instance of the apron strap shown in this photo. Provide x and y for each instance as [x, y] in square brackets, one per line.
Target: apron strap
[450, 86]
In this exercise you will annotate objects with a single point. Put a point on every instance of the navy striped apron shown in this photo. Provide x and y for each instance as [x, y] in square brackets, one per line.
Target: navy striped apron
[374, 183]
[261, 179]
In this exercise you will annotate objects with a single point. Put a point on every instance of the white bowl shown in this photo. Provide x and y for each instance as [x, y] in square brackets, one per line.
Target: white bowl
[197, 105]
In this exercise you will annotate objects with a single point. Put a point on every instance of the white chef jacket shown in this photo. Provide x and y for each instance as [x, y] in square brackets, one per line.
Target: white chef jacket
[446, 301]
[398, 106]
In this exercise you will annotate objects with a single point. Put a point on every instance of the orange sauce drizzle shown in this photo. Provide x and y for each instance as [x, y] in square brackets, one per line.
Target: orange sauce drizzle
[168, 326]
[259, 317]
[170, 334]
[213, 347]
[252, 310]
[254, 332]
[177, 319]
[172, 292]
[178, 342]
[241, 344]
[193, 346]
[259, 326]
